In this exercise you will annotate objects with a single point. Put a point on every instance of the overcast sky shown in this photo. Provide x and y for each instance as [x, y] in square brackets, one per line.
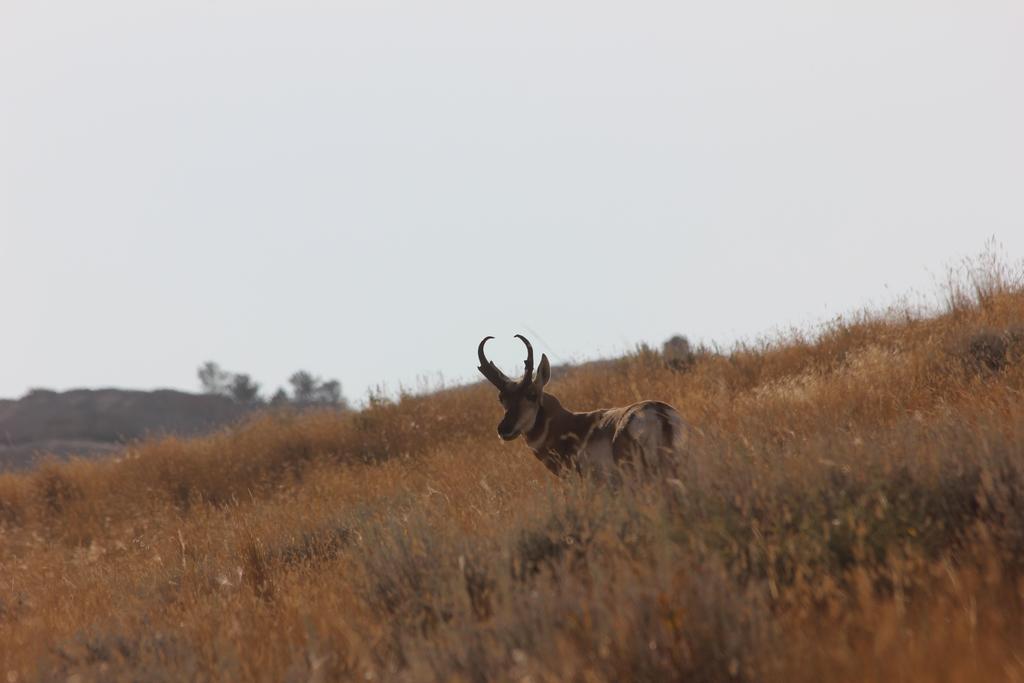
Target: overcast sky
[365, 189]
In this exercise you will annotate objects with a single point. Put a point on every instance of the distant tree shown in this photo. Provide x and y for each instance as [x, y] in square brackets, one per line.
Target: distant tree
[280, 398]
[213, 379]
[304, 387]
[243, 389]
[330, 392]
[308, 389]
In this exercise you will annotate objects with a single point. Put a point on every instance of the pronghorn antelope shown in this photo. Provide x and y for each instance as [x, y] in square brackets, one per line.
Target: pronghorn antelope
[646, 436]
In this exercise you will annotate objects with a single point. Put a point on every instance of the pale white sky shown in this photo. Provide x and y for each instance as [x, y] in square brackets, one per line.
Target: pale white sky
[365, 189]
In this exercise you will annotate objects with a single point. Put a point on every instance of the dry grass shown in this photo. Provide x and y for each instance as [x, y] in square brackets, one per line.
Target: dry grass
[853, 511]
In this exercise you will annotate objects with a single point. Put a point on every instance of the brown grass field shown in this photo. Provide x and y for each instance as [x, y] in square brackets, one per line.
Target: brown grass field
[853, 511]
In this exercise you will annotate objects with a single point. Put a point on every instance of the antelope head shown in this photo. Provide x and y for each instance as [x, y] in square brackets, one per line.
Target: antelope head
[521, 399]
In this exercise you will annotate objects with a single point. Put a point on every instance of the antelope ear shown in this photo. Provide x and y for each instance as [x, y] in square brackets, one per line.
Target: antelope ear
[543, 372]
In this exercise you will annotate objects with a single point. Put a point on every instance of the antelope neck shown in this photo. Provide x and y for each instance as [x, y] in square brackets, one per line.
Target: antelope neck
[550, 411]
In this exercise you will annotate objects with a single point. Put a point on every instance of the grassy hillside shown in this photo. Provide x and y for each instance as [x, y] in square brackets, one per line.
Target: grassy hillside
[852, 511]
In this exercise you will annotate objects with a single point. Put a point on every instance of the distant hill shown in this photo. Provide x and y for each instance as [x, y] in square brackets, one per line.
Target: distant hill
[99, 421]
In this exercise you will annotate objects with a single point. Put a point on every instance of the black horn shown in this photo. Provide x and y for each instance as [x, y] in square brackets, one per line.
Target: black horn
[528, 374]
[489, 370]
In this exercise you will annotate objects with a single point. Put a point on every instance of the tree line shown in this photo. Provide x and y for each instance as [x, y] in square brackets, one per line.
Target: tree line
[306, 389]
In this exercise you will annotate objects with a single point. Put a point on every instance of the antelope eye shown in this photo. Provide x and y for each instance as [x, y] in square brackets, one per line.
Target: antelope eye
[531, 395]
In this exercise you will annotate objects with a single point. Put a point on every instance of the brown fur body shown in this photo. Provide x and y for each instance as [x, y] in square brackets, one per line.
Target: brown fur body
[647, 437]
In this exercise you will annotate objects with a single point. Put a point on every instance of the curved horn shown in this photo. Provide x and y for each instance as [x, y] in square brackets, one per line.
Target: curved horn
[489, 370]
[528, 374]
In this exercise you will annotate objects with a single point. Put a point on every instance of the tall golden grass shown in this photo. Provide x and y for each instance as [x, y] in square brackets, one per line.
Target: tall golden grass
[853, 511]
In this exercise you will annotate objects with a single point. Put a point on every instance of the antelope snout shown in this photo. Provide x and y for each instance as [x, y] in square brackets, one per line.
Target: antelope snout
[507, 435]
